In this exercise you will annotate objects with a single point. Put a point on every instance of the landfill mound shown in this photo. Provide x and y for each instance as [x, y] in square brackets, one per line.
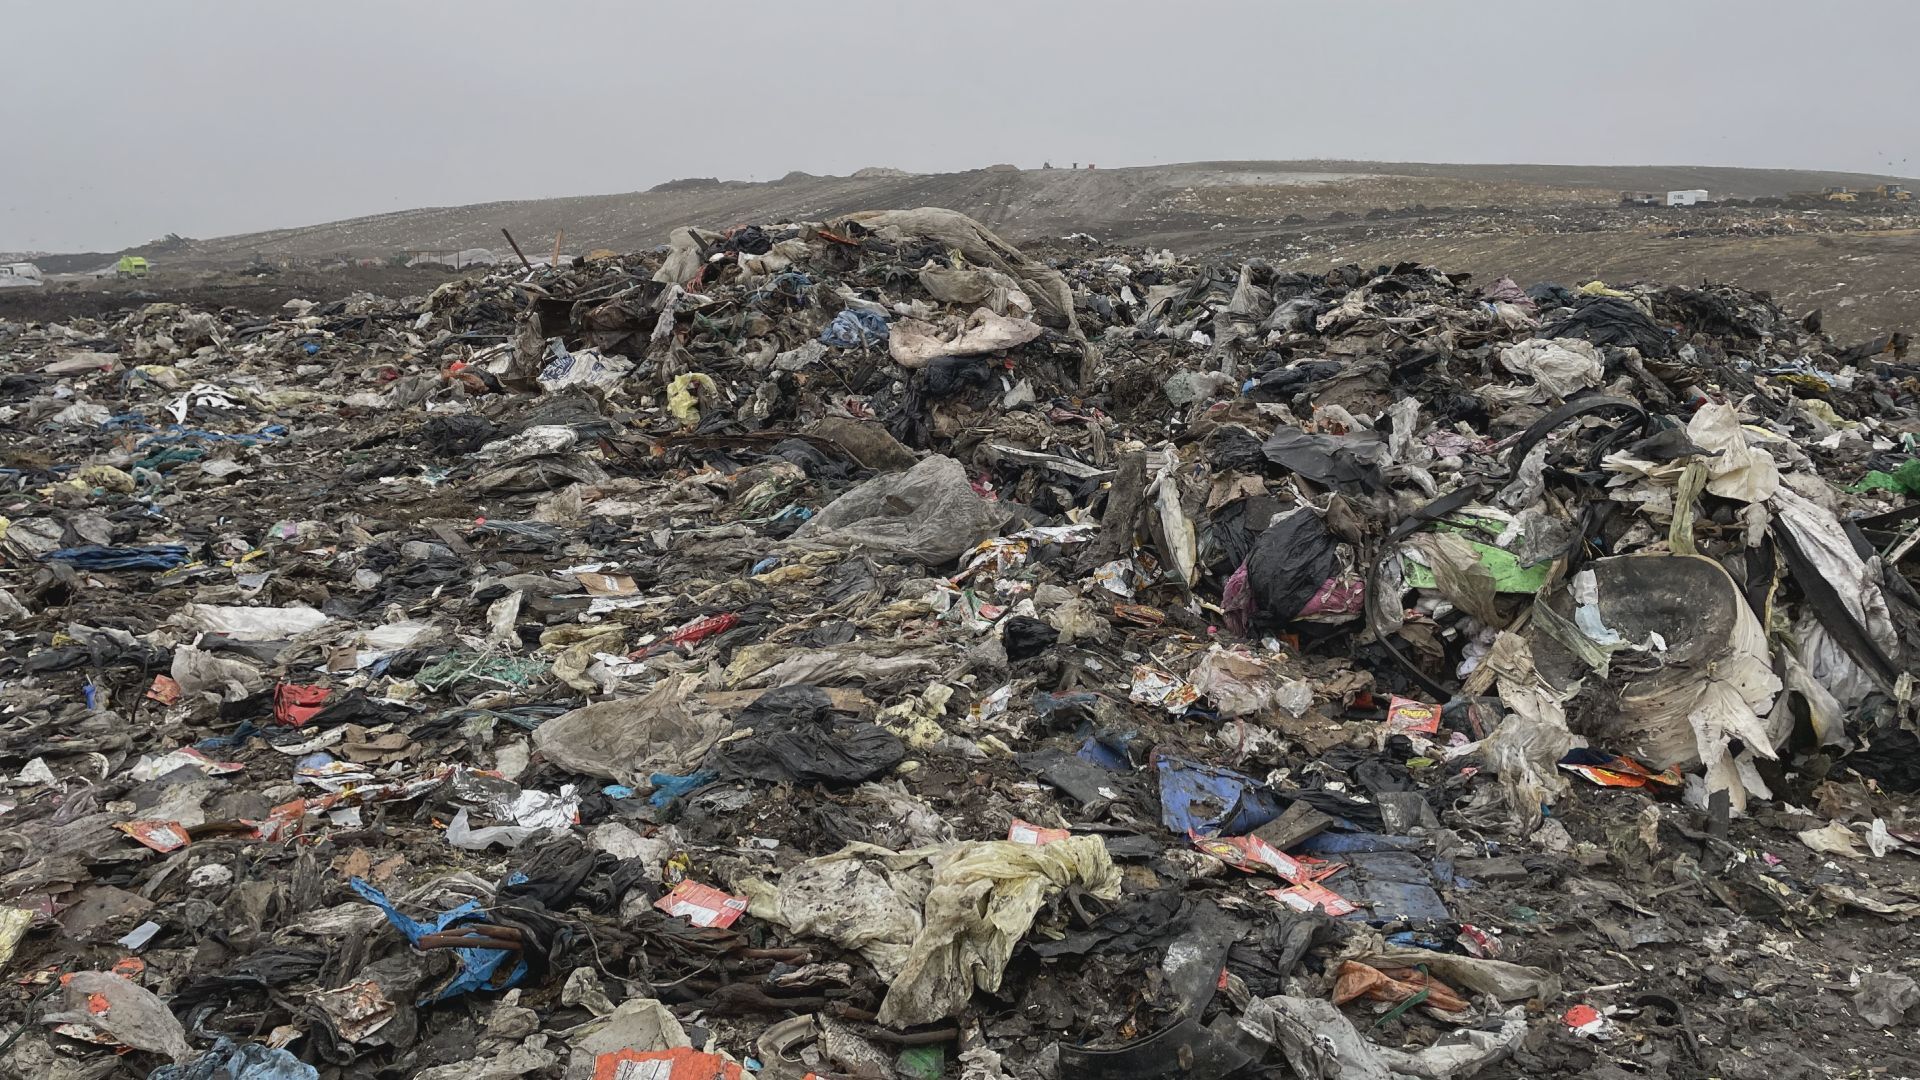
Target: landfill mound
[1179, 200]
[862, 649]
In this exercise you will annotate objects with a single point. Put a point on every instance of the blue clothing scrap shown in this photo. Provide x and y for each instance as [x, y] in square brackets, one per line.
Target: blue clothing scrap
[853, 329]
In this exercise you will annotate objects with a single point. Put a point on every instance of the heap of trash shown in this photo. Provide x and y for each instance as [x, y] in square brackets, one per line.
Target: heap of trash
[865, 649]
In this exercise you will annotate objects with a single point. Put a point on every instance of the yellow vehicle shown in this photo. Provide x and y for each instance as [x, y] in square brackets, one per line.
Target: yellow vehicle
[1840, 194]
[131, 266]
[1892, 193]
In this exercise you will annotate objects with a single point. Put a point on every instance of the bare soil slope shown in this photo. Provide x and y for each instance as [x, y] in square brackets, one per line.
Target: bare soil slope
[1024, 203]
[1859, 262]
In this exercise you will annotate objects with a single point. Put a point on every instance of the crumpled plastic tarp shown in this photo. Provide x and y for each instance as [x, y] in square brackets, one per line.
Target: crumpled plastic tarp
[934, 922]
[131, 1015]
[252, 623]
[198, 671]
[1610, 320]
[862, 897]
[1300, 571]
[990, 288]
[982, 901]
[1524, 751]
[1053, 301]
[637, 1025]
[1740, 470]
[1819, 535]
[627, 739]
[913, 343]
[930, 513]
[683, 259]
[790, 735]
[1320, 1043]
[1558, 367]
[1242, 684]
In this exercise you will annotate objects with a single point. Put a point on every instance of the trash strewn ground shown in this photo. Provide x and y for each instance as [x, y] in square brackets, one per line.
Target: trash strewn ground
[861, 648]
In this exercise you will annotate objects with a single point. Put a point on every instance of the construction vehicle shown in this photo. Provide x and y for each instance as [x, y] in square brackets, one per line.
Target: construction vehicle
[1889, 193]
[131, 266]
[20, 274]
[1839, 194]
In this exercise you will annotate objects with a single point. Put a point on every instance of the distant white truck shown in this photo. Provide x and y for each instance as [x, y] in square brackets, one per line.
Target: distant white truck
[1686, 198]
[19, 274]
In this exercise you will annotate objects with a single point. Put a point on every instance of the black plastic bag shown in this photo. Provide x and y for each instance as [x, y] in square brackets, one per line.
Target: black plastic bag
[1025, 638]
[945, 376]
[1608, 320]
[1336, 461]
[1293, 559]
[355, 707]
[553, 873]
[1235, 529]
[798, 739]
[452, 436]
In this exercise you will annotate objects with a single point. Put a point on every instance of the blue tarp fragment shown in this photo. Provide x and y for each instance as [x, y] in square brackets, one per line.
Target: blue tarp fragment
[96, 557]
[1389, 886]
[1206, 800]
[477, 966]
[1347, 843]
[1095, 752]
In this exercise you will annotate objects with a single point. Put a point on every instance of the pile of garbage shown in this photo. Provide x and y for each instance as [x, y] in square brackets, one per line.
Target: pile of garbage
[863, 648]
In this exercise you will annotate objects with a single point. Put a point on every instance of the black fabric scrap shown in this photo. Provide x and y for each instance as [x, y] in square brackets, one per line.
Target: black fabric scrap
[797, 739]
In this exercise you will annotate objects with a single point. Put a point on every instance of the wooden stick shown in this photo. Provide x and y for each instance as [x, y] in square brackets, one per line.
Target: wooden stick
[516, 248]
[557, 237]
[1900, 548]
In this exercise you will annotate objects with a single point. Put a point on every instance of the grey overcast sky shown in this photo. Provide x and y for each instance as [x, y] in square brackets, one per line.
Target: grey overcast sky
[123, 121]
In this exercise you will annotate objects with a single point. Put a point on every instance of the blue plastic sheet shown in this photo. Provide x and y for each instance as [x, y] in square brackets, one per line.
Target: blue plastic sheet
[1095, 752]
[217, 743]
[477, 966]
[855, 330]
[228, 1060]
[96, 557]
[1389, 886]
[668, 787]
[1206, 800]
[1347, 843]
